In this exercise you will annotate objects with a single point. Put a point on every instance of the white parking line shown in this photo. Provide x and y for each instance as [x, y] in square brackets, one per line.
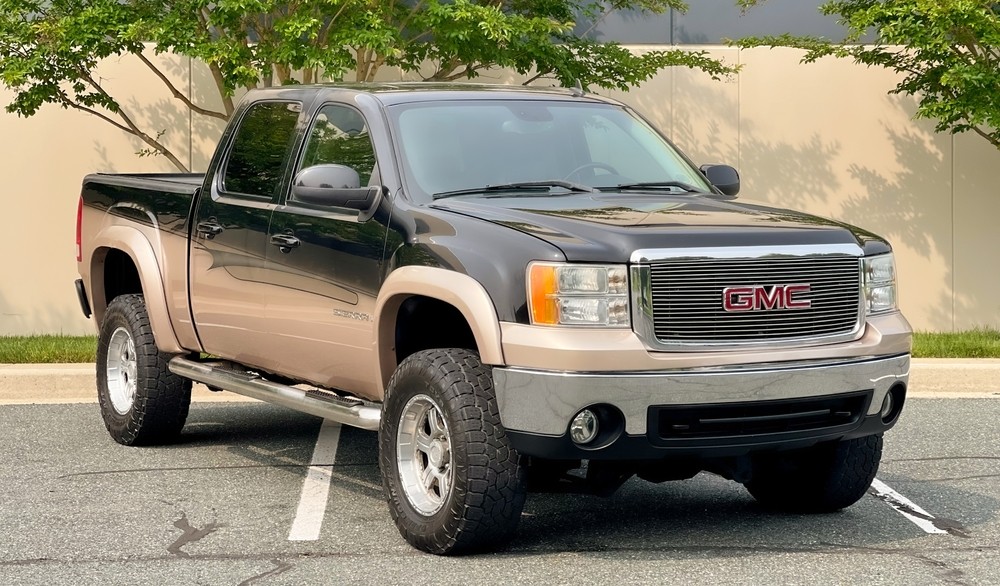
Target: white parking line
[906, 507]
[316, 487]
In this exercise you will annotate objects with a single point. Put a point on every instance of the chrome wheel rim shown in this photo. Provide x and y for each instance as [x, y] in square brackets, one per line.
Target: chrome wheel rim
[423, 453]
[121, 371]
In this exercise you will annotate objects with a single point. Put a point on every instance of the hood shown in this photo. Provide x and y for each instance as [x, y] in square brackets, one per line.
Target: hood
[608, 227]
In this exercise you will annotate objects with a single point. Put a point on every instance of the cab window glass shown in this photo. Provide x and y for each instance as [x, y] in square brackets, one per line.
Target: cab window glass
[628, 148]
[260, 149]
[340, 136]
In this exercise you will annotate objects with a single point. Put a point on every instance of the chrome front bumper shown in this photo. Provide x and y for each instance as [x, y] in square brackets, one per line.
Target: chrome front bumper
[542, 403]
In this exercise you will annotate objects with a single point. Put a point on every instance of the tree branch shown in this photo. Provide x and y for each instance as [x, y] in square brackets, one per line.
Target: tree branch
[537, 76]
[177, 93]
[409, 17]
[71, 104]
[132, 127]
[992, 138]
[220, 80]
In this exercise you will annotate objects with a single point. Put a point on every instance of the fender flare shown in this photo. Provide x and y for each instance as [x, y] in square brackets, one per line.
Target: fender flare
[460, 291]
[136, 245]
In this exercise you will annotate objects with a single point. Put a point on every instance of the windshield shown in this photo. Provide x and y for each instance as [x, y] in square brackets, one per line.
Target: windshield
[468, 145]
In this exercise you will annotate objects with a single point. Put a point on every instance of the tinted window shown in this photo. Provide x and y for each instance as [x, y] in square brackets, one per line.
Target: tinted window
[340, 136]
[472, 144]
[260, 149]
[710, 22]
[630, 149]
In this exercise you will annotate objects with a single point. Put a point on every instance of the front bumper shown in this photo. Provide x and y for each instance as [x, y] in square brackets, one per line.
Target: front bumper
[705, 411]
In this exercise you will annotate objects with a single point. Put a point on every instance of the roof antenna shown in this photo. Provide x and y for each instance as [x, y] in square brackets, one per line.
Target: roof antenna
[577, 88]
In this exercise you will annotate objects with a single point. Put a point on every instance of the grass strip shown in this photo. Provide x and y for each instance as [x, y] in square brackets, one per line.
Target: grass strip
[47, 349]
[977, 343]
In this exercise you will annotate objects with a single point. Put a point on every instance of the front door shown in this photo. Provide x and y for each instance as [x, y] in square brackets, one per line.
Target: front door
[324, 266]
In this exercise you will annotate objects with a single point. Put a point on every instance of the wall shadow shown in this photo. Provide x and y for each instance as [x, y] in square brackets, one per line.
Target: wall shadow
[18, 319]
[908, 203]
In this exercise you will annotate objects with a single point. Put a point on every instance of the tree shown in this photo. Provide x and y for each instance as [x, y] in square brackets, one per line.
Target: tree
[947, 52]
[49, 49]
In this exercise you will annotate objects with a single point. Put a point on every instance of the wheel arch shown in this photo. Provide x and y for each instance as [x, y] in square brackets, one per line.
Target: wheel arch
[125, 249]
[461, 292]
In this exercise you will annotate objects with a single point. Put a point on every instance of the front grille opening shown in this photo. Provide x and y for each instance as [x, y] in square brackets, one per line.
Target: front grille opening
[687, 300]
[727, 420]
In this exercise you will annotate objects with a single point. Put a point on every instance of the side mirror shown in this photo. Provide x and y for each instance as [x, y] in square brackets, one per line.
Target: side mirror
[723, 177]
[333, 186]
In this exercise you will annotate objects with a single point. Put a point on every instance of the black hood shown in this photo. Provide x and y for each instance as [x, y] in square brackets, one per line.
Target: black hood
[607, 227]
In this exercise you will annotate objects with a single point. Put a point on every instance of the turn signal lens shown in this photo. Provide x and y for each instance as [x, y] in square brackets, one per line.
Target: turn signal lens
[79, 230]
[542, 294]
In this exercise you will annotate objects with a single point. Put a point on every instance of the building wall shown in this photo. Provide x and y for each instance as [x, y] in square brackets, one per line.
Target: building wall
[825, 138]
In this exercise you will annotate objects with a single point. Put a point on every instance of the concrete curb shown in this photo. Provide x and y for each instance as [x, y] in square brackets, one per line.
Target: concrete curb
[74, 383]
[48, 384]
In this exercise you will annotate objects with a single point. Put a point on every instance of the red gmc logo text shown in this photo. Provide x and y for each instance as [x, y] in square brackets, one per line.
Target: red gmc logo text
[754, 297]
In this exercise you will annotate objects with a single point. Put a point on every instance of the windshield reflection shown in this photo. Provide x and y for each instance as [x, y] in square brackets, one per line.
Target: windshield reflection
[471, 145]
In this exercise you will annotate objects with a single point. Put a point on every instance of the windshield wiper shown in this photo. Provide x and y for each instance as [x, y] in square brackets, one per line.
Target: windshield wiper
[536, 186]
[655, 185]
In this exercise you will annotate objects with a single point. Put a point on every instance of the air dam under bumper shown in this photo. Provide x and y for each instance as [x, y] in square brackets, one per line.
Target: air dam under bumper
[705, 412]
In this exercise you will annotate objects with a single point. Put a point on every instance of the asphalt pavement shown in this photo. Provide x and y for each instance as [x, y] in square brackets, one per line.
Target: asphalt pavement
[219, 505]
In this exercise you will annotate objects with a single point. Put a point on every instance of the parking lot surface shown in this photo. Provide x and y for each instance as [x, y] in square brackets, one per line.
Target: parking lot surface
[218, 507]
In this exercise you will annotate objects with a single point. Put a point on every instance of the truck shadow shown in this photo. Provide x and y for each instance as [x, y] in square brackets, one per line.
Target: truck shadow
[273, 437]
[706, 516]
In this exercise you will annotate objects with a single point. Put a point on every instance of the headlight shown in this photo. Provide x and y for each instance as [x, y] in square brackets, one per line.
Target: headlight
[880, 283]
[578, 295]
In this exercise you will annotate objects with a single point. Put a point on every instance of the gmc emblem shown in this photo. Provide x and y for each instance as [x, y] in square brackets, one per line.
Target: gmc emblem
[755, 297]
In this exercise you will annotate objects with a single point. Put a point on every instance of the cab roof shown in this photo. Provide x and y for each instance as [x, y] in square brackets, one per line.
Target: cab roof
[390, 93]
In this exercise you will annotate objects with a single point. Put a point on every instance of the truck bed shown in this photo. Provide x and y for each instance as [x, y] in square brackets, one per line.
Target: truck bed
[168, 182]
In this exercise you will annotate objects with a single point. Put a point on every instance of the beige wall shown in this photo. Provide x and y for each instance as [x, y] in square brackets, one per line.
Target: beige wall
[824, 138]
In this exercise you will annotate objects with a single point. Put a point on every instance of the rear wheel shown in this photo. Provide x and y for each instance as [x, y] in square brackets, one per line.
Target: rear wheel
[821, 479]
[141, 401]
[452, 481]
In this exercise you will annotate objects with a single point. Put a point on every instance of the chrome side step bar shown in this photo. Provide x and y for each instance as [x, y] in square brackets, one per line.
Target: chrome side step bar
[346, 410]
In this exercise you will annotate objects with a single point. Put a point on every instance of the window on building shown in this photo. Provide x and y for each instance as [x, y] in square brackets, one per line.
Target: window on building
[710, 22]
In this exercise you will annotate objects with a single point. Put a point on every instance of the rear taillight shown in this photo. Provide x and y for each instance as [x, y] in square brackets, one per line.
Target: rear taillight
[79, 221]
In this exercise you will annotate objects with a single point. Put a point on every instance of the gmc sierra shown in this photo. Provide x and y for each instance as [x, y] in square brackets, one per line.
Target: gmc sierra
[515, 287]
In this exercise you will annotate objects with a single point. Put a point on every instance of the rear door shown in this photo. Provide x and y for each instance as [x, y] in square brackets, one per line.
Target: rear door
[229, 242]
[324, 284]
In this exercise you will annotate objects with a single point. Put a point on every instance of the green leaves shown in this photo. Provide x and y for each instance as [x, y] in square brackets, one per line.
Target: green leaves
[946, 51]
[49, 48]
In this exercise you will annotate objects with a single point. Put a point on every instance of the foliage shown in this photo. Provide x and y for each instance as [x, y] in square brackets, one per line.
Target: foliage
[49, 49]
[976, 343]
[947, 52]
[47, 349]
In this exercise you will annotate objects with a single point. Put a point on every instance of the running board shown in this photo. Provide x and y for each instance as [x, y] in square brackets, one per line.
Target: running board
[345, 410]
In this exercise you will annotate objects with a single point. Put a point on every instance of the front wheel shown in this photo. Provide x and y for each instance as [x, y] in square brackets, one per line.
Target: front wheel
[821, 479]
[141, 401]
[452, 481]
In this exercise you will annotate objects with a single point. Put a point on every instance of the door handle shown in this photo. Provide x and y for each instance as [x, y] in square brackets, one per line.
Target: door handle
[285, 242]
[210, 229]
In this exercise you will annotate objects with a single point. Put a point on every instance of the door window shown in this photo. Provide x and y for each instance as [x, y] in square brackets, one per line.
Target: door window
[260, 149]
[340, 136]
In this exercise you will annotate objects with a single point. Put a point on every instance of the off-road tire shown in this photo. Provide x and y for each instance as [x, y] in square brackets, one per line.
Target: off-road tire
[487, 494]
[161, 400]
[821, 479]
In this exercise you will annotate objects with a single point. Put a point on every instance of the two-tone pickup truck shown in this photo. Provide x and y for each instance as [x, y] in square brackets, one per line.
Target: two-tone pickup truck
[512, 286]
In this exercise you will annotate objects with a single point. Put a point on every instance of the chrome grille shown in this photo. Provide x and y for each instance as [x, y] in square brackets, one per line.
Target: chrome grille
[686, 296]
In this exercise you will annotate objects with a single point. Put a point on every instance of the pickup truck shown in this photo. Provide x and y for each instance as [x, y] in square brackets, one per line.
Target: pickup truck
[517, 288]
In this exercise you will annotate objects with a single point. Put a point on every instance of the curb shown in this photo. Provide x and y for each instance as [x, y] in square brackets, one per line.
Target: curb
[74, 383]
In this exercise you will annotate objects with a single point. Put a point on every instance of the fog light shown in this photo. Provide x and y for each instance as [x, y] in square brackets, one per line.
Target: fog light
[887, 406]
[583, 429]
